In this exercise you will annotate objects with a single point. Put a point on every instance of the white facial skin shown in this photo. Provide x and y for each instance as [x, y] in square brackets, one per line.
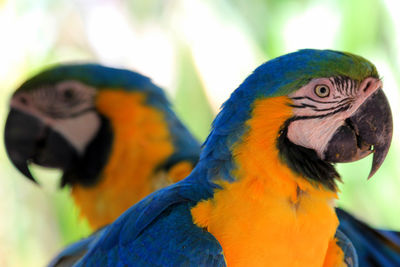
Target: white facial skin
[323, 105]
[67, 107]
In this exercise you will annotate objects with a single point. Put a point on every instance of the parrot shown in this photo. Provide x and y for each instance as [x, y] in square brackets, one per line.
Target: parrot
[76, 72]
[38, 111]
[263, 191]
[111, 131]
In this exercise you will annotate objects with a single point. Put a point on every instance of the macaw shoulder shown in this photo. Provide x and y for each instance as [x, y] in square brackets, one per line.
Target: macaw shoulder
[160, 230]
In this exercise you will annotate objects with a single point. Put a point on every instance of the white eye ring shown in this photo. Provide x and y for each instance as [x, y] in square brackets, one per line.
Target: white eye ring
[322, 90]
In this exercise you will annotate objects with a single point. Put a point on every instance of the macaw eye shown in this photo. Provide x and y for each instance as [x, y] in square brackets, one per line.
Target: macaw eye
[322, 90]
[23, 100]
[68, 94]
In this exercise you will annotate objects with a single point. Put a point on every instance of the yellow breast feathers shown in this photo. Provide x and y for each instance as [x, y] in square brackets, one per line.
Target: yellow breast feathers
[269, 216]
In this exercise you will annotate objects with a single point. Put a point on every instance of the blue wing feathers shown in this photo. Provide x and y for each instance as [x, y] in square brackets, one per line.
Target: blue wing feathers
[374, 247]
[158, 231]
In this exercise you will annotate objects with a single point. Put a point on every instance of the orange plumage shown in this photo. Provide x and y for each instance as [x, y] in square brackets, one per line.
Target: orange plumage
[270, 214]
[141, 142]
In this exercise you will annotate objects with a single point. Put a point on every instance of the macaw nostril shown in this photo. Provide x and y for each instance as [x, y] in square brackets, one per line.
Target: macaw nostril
[367, 86]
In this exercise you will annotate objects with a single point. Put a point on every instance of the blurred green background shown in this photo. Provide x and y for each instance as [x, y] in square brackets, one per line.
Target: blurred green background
[199, 51]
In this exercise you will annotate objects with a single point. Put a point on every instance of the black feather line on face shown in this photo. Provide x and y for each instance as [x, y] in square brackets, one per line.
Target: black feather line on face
[305, 161]
[339, 109]
[71, 115]
[314, 100]
[304, 105]
[343, 105]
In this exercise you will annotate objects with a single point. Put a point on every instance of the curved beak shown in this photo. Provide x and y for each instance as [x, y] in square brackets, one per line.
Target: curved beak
[27, 139]
[20, 142]
[368, 130]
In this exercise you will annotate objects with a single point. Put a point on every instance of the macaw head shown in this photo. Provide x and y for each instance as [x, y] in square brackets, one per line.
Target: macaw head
[54, 119]
[338, 112]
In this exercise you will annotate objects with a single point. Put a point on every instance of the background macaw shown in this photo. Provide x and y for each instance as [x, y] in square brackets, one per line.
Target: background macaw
[97, 82]
[264, 187]
[111, 131]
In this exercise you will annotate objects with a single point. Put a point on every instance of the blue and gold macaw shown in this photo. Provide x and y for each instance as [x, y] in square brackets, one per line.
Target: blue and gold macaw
[263, 191]
[103, 80]
[111, 131]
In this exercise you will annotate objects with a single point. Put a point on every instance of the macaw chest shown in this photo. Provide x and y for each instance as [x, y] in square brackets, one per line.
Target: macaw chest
[119, 190]
[101, 205]
[272, 231]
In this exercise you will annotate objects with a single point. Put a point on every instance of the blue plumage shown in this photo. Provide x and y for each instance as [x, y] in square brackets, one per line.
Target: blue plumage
[158, 231]
[95, 75]
[374, 248]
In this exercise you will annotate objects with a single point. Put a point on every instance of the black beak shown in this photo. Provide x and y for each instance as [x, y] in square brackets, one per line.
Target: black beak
[27, 140]
[368, 130]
